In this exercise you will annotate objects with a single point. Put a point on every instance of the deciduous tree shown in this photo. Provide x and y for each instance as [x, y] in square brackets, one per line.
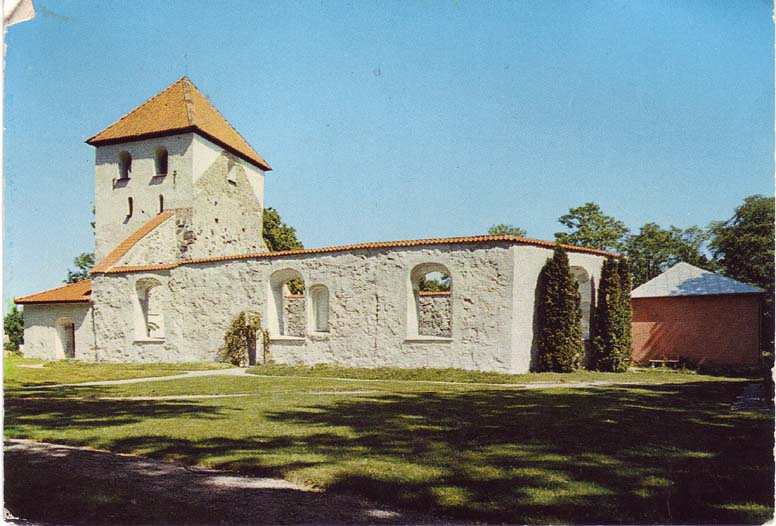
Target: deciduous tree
[14, 327]
[501, 228]
[83, 264]
[590, 227]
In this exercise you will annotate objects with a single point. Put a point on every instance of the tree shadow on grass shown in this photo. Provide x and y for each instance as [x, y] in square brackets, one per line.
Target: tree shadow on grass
[639, 454]
[628, 454]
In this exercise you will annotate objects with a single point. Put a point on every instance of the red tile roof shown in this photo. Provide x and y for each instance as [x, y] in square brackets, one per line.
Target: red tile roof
[80, 292]
[179, 108]
[120, 251]
[349, 248]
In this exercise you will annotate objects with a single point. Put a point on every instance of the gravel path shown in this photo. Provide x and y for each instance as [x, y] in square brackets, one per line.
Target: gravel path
[168, 493]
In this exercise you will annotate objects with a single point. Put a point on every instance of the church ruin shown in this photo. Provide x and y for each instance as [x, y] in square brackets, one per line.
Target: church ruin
[179, 196]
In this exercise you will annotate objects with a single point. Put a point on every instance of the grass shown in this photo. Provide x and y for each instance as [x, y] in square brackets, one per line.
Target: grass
[635, 375]
[659, 452]
[73, 371]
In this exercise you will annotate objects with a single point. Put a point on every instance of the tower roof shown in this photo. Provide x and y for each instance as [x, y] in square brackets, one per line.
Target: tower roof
[684, 279]
[179, 108]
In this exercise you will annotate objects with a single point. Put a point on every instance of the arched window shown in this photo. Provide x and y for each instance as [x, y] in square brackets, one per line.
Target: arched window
[130, 207]
[125, 165]
[430, 306]
[160, 158]
[319, 301]
[286, 314]
[149, 319]
[161, 203]
[587, 293]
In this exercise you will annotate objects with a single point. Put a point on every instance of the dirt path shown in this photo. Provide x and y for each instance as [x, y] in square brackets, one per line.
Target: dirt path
[55, 484]
[244, 373]
[189, 374]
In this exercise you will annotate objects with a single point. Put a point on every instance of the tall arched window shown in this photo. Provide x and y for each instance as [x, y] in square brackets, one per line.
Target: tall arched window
[587, 293]
[430, 305]
[161, 203]
[319, 301]
[160, 158]
[286, 313]
[125, 165]
[149, 319]
[130, 207]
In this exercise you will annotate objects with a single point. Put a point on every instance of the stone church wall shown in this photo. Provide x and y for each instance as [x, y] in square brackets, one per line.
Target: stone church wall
[371, 302]
[42, 338]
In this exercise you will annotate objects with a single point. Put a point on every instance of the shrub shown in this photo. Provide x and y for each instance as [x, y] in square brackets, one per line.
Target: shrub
[560, 315]
[611, 347]
[241, 336]
[14, 328]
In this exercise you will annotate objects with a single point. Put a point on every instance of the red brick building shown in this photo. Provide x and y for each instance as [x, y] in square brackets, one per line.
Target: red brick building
[697, 316]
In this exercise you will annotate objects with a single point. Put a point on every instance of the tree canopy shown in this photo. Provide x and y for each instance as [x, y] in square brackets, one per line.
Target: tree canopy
[13, 325]
[589, 227]
[83, 264]
[278, 235]
[655, 249]
[743, 244]
[501, 228]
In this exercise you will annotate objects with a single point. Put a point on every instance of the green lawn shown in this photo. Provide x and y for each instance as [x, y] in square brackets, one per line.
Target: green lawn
[72, 371]
[669, 452]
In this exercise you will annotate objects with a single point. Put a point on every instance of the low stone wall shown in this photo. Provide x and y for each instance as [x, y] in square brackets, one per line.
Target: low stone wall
[434, 314]
[293, 315]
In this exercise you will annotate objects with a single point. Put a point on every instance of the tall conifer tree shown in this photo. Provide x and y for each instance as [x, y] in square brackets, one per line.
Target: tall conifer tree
[560, 314]
[612, 341]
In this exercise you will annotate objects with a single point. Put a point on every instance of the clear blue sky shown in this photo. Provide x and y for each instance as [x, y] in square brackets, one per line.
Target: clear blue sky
[396, 120]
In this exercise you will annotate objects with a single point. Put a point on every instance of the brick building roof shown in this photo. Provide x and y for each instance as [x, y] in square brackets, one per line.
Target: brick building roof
[79, 292]
[179, 108]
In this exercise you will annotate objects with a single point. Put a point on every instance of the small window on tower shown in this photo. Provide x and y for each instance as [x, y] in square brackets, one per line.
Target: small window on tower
[125, 165]
[161, 161]
[129, 207]
[161, 203]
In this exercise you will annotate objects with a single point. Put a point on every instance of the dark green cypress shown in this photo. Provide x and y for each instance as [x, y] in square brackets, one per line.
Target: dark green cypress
[560, 334]
[612, 340]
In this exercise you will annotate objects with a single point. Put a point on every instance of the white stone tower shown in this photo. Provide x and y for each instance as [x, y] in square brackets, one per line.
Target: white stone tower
[177, 152]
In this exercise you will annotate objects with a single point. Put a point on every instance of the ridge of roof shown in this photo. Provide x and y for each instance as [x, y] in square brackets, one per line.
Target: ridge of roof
[684, 279]
[78, 292]
[180, 107]
[360, 246]
[122, 248]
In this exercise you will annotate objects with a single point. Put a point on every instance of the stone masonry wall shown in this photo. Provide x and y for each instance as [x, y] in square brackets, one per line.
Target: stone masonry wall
[227, 217]
[294, 315]
[370, 295]
[434, 312]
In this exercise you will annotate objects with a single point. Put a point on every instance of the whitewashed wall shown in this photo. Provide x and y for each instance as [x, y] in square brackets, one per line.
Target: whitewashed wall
[40, 331]
[493, 289]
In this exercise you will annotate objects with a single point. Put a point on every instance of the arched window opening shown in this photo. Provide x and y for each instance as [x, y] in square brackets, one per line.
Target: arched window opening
[161, 203]
[430, 306]
[587, 293]
[125, 165]
[286, 314]
[160, 158]
[130, 207]
[319, 299]
[65, 343]
[149, 319]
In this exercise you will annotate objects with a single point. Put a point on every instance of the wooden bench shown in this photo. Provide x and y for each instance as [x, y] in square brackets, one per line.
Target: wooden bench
[664, 362]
